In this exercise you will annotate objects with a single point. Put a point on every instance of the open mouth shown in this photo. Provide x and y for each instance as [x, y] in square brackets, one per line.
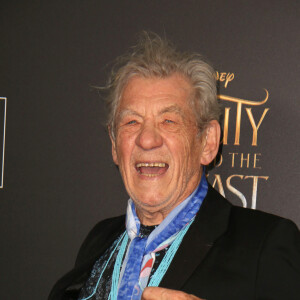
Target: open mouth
[152, 169]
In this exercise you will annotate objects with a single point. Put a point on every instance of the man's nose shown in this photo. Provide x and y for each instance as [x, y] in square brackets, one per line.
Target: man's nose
[149, 137]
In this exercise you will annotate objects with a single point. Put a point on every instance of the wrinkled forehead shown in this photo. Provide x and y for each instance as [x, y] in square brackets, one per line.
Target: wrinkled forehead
[173, 90]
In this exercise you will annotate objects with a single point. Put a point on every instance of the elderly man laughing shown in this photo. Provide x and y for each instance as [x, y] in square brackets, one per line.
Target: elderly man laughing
[180, 238]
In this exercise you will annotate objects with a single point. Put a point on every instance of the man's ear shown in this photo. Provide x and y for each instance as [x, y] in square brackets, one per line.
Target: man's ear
[113, 147]
[211, 142]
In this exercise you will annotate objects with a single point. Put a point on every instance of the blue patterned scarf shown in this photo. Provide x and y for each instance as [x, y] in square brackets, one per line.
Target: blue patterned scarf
[140, 255]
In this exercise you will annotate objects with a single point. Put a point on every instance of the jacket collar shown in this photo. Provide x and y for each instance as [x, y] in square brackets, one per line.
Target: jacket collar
[211, 222]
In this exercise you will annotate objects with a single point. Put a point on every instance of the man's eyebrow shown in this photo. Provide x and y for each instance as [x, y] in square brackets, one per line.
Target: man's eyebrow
[171, 109]
[125, 112]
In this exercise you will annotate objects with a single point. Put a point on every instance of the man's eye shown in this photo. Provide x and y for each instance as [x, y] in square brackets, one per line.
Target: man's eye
[168, 121]
[131, 122]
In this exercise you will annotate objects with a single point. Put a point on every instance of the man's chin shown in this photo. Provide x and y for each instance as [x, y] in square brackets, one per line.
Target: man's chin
[152, 203]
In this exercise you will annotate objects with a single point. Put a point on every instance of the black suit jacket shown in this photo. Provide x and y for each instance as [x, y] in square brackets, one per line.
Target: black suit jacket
[228, 253]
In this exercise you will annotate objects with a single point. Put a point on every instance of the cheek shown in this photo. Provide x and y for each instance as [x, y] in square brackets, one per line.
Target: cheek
[181, 149]
[193, 151]
[196, 154]
[124, 150]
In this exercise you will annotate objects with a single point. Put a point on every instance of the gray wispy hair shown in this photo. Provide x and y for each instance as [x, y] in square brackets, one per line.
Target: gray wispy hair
[154, 56]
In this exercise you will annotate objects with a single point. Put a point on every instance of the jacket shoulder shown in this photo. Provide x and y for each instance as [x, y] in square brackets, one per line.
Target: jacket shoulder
[257, 219]
[254, 229]
[247, 225]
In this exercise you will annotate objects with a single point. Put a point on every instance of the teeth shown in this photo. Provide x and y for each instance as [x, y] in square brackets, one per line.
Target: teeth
[150, 175]
[156, 164]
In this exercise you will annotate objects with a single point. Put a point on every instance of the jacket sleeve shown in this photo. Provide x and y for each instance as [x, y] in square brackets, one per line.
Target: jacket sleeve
[278, 271]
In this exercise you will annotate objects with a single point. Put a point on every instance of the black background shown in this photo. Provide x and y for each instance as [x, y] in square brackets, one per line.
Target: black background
[59, 178]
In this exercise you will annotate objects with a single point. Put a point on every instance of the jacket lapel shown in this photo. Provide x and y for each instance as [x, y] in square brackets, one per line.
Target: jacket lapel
[211, 222]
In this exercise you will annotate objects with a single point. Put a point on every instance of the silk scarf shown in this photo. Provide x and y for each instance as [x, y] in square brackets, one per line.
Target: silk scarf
[141, 251]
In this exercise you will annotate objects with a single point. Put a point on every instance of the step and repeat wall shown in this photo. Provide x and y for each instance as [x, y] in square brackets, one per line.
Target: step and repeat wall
[57, 175]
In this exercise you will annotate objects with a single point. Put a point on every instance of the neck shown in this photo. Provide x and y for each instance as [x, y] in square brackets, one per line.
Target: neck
[155, 215]
[150, 219]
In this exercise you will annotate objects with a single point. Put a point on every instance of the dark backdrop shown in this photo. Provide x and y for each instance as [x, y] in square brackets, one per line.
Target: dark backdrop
[59, 178]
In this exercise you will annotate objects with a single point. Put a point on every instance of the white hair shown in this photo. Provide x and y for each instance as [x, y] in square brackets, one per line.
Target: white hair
[156, 57]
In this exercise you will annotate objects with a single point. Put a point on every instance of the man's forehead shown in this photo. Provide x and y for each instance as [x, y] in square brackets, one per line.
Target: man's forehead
[175, 84]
